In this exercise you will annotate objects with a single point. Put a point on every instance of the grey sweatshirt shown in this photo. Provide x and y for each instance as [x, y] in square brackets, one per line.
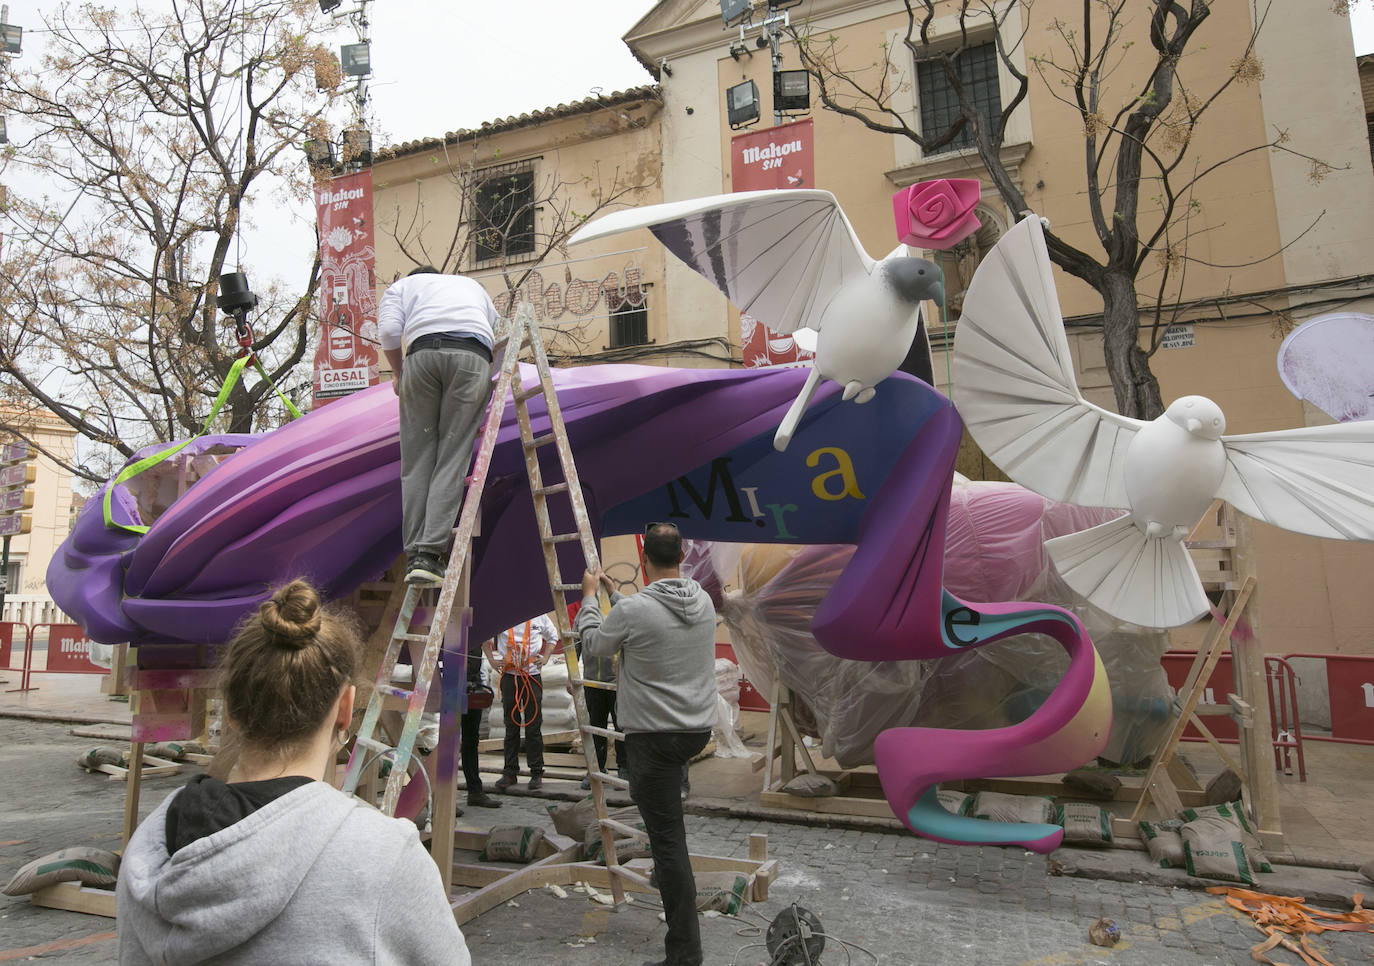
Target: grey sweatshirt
[666, 638]
[315, 876]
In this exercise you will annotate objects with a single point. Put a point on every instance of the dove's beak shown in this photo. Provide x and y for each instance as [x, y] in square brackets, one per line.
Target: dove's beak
[1193, 425]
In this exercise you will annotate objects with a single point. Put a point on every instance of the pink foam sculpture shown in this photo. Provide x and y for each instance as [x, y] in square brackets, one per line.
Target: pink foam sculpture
[937, 214]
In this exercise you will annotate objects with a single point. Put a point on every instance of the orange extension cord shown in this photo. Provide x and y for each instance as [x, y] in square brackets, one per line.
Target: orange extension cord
[526, 694]
[1279, 917]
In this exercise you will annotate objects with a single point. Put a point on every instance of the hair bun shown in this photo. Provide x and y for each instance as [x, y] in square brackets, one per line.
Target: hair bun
[292, 617]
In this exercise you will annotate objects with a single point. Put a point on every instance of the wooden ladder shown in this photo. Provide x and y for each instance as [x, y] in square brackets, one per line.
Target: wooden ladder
[523, 331]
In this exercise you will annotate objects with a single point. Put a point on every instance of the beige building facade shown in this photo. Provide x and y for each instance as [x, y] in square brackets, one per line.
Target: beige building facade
[26, 594]
[1275, 239]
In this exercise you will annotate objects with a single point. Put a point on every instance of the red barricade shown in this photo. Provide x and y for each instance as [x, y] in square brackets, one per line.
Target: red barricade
[1285, 726]
[69, 650]
[1222, 682]
[9, 629]
[1350, 690]
[749, 697]
[7, 642]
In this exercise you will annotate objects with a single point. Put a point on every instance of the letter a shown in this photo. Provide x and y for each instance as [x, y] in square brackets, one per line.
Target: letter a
[844, 469]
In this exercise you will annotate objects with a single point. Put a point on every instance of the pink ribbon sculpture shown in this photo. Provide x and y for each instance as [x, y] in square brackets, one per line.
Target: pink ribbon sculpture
[937, 214]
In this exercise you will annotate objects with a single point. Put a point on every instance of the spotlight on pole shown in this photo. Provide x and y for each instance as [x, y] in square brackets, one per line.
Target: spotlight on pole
[356, 59]
[733, 11]
[791, 91]
[742, 104]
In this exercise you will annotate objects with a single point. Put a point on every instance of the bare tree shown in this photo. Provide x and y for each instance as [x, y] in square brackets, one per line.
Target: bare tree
[1142, 166]
[158, 134]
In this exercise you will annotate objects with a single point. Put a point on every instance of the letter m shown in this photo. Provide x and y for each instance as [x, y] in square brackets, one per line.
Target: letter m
[720, 475]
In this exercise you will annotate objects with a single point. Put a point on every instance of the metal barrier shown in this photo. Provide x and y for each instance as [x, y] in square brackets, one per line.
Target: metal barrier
[69, 652]
[7, 642]
[1350, 692]
[1285, 723]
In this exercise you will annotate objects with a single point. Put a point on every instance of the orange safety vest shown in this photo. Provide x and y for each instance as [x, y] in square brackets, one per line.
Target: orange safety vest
[509, 666]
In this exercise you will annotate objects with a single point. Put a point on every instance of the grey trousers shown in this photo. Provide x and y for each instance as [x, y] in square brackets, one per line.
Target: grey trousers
[444, 394]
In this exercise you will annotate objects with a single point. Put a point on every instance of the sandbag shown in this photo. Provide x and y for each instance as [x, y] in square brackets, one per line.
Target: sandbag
[103, 755]
[1085, 824]
[92, 867]
[1164, 842]
[956, 803]
[511, 843]
[811, 786]
[1213, 849]
[1000, 807]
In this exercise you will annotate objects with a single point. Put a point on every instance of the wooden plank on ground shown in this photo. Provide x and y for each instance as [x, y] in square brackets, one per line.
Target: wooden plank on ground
[74, 897]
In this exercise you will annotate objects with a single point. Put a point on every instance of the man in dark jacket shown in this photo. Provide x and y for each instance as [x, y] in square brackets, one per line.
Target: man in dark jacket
[665, 704]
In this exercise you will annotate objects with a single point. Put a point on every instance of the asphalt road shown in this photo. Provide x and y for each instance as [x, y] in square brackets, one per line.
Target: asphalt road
[880, 896]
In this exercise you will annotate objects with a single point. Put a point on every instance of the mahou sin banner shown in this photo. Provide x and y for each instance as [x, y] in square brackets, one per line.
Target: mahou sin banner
[775, 157]
[346, 358]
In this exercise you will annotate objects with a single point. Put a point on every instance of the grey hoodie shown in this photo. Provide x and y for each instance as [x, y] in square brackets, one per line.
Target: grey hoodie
[315, 876]
[666, 638]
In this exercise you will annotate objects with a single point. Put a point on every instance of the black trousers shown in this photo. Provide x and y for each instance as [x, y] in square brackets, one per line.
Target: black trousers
[600, 711]
[657, 760]
[531, 718]
[472, 732]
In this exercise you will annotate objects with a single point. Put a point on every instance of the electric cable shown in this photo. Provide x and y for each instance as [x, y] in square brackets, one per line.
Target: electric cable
[526, 693]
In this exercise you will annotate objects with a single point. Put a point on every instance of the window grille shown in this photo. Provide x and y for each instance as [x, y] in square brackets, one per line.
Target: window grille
[629, 323]
[977, 69]
[503, 213]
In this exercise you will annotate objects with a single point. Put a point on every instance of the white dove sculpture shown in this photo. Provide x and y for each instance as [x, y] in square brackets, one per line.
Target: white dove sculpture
[791, 260]
[1015, 389]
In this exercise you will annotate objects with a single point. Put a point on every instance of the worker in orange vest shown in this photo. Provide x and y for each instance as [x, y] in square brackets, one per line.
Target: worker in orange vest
[518, 655]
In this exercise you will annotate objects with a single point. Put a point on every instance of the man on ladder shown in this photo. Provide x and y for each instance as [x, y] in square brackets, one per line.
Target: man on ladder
[441, 329]
[665, 704]
[519, 656]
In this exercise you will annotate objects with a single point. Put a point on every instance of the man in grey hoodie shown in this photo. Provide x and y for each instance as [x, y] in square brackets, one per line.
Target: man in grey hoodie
[665, 704]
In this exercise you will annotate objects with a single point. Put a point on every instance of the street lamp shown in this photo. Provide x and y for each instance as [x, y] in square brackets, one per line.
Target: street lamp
[742, 104]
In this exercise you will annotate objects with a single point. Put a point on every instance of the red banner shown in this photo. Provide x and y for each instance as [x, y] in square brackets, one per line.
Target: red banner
[70, 651]
[775, 157]
[346, 358]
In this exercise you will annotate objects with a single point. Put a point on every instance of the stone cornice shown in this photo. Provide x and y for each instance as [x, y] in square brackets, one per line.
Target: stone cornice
[955, 164]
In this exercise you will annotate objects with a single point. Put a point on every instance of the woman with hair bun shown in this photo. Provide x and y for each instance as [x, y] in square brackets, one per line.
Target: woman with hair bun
[275, 865]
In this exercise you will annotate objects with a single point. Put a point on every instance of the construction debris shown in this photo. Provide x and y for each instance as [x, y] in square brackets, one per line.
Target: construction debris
[1280, 917]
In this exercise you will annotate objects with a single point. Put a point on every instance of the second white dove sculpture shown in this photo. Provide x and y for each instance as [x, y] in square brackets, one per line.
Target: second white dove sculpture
[792, 260]
[1015, 389]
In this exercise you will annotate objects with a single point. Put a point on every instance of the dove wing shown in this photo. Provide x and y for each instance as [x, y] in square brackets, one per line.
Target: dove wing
[778, 255]
[1318, 480]
[1014, 384]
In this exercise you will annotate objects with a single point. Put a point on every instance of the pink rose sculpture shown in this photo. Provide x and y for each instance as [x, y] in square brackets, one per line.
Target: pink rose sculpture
[937, 214]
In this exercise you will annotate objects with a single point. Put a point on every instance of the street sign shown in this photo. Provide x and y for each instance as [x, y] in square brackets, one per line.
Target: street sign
[15, 453]
[13, 524]
[16, 500]
[21, 474]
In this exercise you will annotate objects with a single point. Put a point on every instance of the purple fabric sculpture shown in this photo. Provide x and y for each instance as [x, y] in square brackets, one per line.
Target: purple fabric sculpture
[320, 498]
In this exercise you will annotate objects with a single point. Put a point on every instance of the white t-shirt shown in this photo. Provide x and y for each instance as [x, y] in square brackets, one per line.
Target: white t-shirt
[541, 639]
[434, 304]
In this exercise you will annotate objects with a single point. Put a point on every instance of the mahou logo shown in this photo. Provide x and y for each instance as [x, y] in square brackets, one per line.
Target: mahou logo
[770, 152]
[334, 197]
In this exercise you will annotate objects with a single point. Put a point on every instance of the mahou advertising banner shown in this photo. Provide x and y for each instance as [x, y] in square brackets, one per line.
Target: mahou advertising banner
[346, 358]
[775, 157]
